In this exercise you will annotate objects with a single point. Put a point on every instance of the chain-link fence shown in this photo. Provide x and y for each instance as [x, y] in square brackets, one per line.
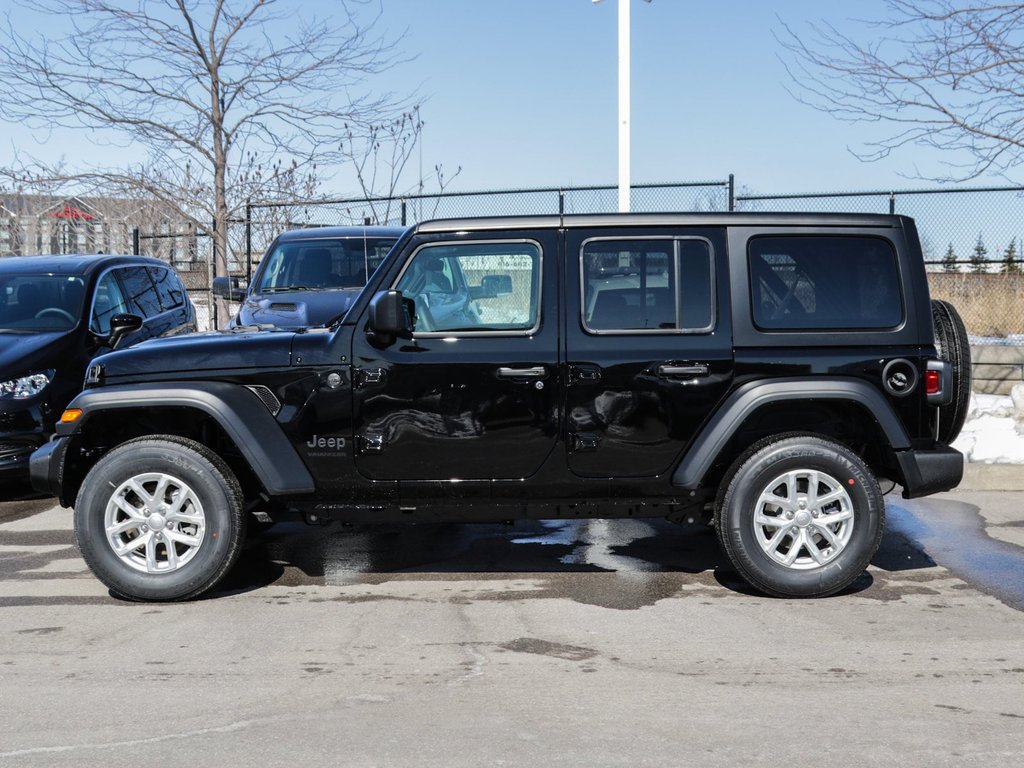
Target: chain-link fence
[191, 253]
[971, 237]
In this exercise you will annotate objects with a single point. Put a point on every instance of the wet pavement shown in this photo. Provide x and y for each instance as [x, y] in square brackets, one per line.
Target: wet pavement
[626, 642]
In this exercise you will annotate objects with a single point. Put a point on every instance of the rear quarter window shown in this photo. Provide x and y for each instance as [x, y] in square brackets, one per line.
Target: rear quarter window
[812, 282]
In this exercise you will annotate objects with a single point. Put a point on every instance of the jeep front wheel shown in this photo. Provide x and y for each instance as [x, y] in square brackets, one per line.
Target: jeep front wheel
[800, 516]
[160, 519]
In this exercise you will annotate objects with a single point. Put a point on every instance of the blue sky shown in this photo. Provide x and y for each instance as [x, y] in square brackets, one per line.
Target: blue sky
[523, 93]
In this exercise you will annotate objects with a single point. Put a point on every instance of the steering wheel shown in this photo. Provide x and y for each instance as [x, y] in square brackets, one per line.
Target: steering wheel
[56, 311]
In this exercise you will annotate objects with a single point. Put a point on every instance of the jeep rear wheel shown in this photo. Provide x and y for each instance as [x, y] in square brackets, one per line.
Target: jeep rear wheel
[160, 519]
[800, 516]
[952, 344]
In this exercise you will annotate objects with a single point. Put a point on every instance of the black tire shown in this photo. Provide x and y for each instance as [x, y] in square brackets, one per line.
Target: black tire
[174, 552]
[758, 551]
[952, 344]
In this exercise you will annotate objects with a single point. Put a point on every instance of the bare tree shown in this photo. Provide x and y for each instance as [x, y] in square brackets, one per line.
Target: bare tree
[202, 87]
[379, 158]
[943, 74]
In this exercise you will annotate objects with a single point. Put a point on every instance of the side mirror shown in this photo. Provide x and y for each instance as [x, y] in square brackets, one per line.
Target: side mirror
[229, 288]
[121, 326]
[390, 316]
[496, 285]
[492, 286]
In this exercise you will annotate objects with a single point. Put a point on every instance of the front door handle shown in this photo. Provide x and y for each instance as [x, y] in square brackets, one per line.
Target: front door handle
[683, 371]
[537, 372]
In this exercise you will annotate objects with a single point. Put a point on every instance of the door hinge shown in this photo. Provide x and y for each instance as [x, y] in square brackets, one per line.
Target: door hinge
[584, 374]
[370, 377]
[371, 442]
[585, 441]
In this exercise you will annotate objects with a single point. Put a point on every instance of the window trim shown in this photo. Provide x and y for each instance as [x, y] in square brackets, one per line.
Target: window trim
[95, 289]
[538, 320]
[676, 265]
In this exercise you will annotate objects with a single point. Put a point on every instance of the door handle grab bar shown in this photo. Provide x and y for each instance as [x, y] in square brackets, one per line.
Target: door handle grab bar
[538, 372]
[700, 369]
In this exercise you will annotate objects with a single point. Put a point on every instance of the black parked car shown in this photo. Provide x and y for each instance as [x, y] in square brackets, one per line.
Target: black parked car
[56, 314]
[309, 277]
[776, 373]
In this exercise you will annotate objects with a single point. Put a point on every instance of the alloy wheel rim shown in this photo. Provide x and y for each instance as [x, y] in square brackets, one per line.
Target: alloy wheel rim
[154, 523]
[803, 519]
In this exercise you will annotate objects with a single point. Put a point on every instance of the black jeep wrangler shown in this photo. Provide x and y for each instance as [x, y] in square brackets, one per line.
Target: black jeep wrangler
[768, 370]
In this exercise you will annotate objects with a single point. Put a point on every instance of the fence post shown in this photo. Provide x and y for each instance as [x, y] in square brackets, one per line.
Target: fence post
[135, 241]
[561, 202]
[403, 212]
[732, 192]
[892, 203]
[211, 302]
[248, 242]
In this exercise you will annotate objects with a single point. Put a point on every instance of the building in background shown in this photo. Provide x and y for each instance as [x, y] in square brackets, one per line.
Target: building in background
[44, 224]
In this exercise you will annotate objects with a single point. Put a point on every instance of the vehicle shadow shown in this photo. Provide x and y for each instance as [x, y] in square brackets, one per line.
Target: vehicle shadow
[294, 555]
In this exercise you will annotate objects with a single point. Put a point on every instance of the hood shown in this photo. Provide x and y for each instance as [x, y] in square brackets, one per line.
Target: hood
[296, 309]
[189, 353]
[23, 353]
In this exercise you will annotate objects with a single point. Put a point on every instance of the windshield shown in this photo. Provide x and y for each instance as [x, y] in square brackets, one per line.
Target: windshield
[319, 264]
[40, 302]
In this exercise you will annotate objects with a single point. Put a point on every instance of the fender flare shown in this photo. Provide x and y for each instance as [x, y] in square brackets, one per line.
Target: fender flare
[238, 411]
[748, 398]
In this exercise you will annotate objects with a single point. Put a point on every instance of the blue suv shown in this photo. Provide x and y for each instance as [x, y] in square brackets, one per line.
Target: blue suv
[309, 277]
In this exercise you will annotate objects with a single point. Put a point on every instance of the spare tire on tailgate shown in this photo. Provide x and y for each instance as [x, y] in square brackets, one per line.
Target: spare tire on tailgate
[952, 345]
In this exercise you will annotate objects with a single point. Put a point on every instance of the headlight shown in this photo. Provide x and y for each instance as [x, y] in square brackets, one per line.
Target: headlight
[26, 386]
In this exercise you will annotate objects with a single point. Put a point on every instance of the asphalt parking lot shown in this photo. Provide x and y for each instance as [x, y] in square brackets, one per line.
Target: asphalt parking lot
[582, 643]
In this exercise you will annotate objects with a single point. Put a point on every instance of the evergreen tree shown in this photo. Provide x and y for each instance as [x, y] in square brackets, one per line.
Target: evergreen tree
[1010, 265]
[949, 261]
[978, 258]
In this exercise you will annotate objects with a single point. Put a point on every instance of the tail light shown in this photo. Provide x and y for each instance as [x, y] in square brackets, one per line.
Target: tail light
[938, 382]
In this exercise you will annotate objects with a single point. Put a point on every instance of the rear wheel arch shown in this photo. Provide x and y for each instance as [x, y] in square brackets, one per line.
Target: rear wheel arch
[849, 411]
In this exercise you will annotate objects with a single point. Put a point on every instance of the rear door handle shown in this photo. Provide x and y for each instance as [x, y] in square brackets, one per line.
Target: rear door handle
[538, 372]
[683, 371]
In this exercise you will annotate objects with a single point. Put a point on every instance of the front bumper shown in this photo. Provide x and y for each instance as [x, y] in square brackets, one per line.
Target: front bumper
[46, 467]
[928, 472]
[15, 450]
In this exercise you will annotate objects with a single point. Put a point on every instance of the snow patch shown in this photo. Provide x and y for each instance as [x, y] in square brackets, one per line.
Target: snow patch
[994, 430]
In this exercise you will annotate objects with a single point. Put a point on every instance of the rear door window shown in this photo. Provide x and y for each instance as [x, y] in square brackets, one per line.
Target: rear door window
[169, 288]
[811, 282]
[647, 285]
[141, 291]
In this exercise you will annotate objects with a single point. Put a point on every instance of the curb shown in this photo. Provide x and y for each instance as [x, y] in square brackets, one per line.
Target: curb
[992, 477]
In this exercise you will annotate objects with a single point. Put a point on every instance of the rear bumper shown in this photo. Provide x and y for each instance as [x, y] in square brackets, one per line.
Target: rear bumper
[928, 472]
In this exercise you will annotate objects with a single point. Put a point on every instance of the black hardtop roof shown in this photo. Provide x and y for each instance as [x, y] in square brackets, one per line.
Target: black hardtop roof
[351, 232]
[734, 219]
[72, 264]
